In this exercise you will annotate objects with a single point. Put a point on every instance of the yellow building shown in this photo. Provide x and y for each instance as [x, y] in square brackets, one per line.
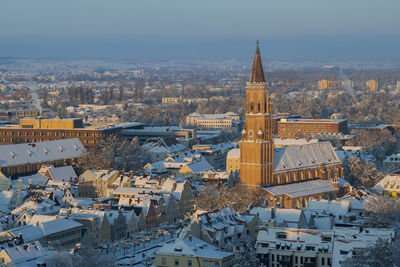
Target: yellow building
[372, 85]
[192, 252]
[233, 160]
[171, 100]
[398, 85]
[323, 84]
[212, 121]
[97, 183]
[38, 123]
[389, 185]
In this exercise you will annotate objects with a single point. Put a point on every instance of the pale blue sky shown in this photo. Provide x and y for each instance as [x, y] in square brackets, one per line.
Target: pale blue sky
[114, 27]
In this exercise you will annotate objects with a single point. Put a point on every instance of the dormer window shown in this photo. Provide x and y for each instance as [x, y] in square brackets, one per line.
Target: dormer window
[281, 235]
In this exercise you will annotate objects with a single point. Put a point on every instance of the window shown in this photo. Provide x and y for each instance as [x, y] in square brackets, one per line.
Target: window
[205, 263]
[163, 261]
[322, 261]
[176, 262]
[189, 263]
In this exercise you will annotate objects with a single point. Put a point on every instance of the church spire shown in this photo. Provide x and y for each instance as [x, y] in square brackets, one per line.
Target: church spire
[257, 71]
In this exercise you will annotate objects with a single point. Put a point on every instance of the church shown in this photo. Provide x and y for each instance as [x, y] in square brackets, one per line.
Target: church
[291, 175]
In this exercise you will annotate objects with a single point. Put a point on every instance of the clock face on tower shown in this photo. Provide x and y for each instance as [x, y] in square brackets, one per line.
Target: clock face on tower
[250, 133]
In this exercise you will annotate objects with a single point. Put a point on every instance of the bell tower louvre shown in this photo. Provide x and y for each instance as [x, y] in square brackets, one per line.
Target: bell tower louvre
[256, 146]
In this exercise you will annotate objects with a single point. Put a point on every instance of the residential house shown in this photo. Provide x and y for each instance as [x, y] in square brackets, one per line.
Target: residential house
[59, 232]
[389, 185]
[97, 183]
[61, 174]
[224, 227]
[27, 254]
[192, 252]
[216, 154]
[5, 182]
[158, 148]
[233, 160]
[279, 217]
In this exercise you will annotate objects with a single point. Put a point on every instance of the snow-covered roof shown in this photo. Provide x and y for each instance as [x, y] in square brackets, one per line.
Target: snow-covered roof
[29, 233]
[102, 174]
[234, 153]
[25, 254]
[64, 173]
[390, 182]
[337, 208]
[220, 116]
[163, 145]
[200, 166]
[6, 196]
[36, 179]
[349, 239]
[58, 225]
[294, 239]
[31, 153]
[293, 141]
[304, 157]
[278, 215]
[305, 188]
[193, 247]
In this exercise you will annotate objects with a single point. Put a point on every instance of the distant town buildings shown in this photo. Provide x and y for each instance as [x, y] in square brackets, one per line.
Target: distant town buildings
[372, 85]
[325, 84]
[171, 100]
[213, 121]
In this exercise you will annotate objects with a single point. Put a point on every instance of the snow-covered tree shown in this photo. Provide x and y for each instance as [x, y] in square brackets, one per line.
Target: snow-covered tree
[382, 254]
[245, 256]
[85, 257]
[114, 153]
[359, 172]
[383, 211]
[240, 196]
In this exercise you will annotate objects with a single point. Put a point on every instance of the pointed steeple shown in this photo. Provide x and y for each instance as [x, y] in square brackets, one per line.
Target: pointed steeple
[257, 71]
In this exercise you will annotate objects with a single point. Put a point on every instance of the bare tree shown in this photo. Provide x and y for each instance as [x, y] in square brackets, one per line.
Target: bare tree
[114, 153]
[240, 196]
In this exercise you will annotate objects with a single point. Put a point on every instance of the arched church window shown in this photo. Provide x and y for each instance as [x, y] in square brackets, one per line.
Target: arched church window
[251, 107]
[259, 107]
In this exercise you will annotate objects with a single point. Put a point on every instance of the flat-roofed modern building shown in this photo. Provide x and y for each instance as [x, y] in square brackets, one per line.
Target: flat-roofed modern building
[292, 128]
[213, 121]
[40, 129]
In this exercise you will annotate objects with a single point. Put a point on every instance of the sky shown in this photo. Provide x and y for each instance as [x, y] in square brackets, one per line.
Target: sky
[293, 29]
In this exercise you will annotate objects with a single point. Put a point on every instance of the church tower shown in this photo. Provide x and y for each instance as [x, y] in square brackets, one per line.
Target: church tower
[256, 146]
